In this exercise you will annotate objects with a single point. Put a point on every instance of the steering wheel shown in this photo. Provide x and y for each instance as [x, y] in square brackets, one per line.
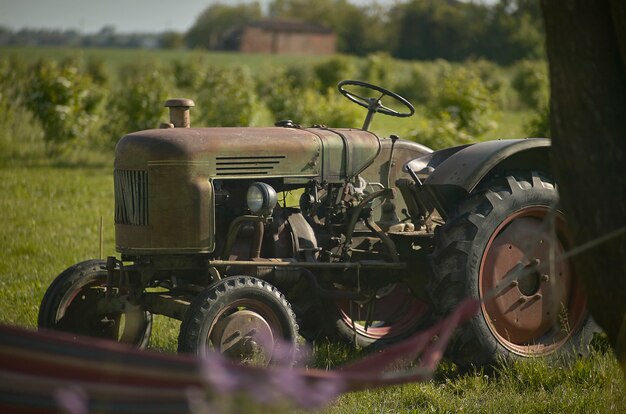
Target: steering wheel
[374, 105]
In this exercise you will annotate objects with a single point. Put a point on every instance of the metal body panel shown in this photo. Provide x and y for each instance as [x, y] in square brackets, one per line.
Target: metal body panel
[466, 168]
[346, 152]
[403, 152]
[181, 214]
[224, 152]
[333, 159]
[425, 165]
[182, 162]
[376, 173]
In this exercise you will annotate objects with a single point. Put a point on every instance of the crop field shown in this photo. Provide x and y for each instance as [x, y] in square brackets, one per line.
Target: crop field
[178, 72]
[52, 204]
[119, 57]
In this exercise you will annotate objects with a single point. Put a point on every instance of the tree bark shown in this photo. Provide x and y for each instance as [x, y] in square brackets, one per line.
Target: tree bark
[586, 46]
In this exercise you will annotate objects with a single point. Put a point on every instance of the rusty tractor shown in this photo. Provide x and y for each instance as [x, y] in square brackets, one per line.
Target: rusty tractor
[254, 236]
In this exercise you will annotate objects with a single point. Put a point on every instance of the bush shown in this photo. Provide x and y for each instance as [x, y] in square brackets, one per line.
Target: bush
[20, 134]
[309, 107]
[440, 132]
[227, 97]
[539, 123]
[464, 98]
[137, 102]
[12, 75]
[279, 89]
[333, 70]
[300, 76]
[188, 74]
[95, 68]
[336, 111]
[64, 100]
[378, 68]
[460, 112]
[494, 79]
[296, 76]
[417, 84]
[287, 97]
[530, 81]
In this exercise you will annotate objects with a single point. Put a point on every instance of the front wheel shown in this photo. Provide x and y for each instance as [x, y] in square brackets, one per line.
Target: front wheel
[242, 317]
[510, 227]
[71, 305]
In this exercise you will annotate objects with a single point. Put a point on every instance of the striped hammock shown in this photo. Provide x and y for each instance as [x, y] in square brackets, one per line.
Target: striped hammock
[52, 372]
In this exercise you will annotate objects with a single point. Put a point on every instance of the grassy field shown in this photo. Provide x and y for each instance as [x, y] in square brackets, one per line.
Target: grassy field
[51, 210]
[51, 218]
[115, 58]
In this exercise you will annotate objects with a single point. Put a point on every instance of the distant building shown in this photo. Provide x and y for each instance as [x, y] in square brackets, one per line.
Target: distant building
[282, 36]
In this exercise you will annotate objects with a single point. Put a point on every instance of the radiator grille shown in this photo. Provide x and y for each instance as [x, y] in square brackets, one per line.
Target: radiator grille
[131, 197]
[259, 165]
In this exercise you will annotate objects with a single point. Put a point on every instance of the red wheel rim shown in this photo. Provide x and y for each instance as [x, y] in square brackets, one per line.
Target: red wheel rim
[538, 313]
[252, 320]
[77, 313]
[395, 314]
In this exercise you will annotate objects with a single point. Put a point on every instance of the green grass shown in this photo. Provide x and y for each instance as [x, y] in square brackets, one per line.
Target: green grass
[115, 58]
[510, 124]
[51, 219]
[592, 385]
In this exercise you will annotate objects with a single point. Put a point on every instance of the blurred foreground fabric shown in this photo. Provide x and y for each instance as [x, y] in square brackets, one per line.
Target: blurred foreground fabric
[52, 372]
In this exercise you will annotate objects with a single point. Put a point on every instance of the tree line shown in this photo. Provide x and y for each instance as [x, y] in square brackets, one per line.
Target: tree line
[503, 32]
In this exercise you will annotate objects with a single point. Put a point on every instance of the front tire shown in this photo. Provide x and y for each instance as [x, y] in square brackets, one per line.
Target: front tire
[495, 230]
[244, 318]
[71, 301]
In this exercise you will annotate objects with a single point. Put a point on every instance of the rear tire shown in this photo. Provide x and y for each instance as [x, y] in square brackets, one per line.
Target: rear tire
[70, 305]
[395, 316]
[494, 230]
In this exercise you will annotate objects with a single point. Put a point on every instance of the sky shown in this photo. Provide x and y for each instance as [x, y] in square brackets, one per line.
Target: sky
[89, 16]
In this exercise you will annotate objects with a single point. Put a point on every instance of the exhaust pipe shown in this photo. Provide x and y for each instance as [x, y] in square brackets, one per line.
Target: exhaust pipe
[179, 113]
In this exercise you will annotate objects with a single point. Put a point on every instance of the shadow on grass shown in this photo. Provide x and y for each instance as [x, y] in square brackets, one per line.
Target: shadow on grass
[536, 371]
[328, 354]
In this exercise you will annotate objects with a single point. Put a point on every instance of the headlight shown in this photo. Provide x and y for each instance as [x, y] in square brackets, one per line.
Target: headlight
[261, 199]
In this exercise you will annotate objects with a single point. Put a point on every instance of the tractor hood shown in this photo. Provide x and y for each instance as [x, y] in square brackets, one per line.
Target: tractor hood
[164, 178]
[321, 153]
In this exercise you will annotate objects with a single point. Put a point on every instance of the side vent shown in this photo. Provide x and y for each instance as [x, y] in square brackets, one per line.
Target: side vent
[131, 197]
[259, 165]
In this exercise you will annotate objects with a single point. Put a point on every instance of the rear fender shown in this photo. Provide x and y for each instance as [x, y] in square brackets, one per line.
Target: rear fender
[459, 174]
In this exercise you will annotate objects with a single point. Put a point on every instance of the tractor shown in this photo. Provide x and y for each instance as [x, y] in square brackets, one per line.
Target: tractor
[253, 237]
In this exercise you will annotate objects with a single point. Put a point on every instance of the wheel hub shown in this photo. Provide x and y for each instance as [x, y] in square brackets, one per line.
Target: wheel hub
[529, 283]
[244, 335]
[394, 313]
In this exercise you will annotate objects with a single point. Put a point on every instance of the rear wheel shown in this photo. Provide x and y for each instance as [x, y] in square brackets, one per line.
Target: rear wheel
[71, 304]
[510, 225]
[244, 318]
[394, 314]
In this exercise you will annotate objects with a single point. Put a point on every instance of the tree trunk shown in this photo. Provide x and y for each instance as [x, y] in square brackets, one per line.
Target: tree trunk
[586, 46]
